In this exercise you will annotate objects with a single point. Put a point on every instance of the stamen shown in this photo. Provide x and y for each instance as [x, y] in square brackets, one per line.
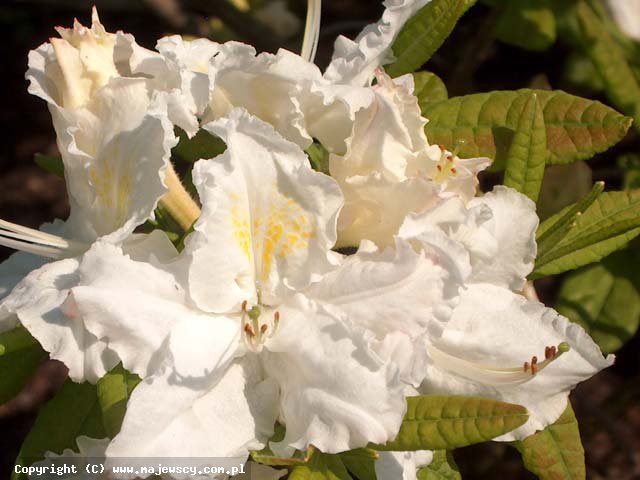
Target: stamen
[263, 328]
[453, 170]
[311, 30]
[276, 317]
[39, 243]
[248, 329]
[244, 306]
[496, 376]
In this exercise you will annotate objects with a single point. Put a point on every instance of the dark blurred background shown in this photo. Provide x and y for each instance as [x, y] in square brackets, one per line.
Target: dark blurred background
[471, 60]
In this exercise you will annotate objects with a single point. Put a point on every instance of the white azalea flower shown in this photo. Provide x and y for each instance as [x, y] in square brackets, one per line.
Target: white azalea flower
[389, 157]
[115, 148]
[491, 345]
[500, 345]
[255, 322]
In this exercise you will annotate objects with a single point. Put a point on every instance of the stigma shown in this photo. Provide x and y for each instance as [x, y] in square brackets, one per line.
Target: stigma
[493, 375]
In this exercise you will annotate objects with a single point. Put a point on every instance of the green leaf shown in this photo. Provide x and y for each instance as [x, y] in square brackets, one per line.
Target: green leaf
[528, 24]
[74, 411]
[606, 226]
[50, 163]
[605, 299]
[607, 56]
[114, 390]
[442, 467]
[436, 422]
[555, 453]
[361, 463]
[318, 157]
[20, 357]
[424, 33]
[202, 145]
[556, 227]
[321, 467]
[429, 88]
[526, 157]
[483, 124]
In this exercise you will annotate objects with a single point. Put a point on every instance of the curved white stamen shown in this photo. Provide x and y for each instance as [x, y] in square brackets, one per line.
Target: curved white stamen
[39, 243]
[256, 327]
[491, 375]
[311, 30]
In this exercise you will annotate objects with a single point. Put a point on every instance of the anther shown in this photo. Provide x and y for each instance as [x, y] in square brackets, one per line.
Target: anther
[263, 329]
[244, 306]
[534, 360]
[276, 317]
[526, 366]
[439, 167]
[441, 147]
[534, 369]
[453, 170]
[248, 329]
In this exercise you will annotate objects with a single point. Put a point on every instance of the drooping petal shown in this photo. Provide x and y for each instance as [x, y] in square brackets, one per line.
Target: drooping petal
[513, 225]
[355, 61]
[335, 393]
[401, 465]
[483, 349]
[220, 415]
[115, 154]
[268, 220]
[37, 301]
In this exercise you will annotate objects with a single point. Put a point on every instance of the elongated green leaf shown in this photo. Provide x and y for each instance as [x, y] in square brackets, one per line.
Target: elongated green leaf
[483, 124]
[436, 422]
[321, 467]
[50, 164]
[528, 151]
[429, 88]
[555, 453]
[607, 56]
[528, 24]
[606, 226]
[423, 34]
[20, 356]
[442, 467]
[361, 463]
[556, 227]
[74, 411]
[605, 299]
[114, 390]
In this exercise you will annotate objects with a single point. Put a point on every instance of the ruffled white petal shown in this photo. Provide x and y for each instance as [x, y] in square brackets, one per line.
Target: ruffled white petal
[221, 415]
[115, 153]
[335, 394]
[355, 61]
[387, 136]
[37, 301]
[132, 306]
[513, 225]
[268, 220]
[493, 328]
[396, 290]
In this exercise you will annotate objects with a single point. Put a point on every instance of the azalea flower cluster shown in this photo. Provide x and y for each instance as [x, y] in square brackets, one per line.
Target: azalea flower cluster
[264, 317]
